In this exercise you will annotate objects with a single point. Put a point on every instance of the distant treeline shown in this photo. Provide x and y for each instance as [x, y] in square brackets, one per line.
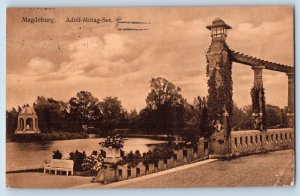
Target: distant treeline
[166, 112]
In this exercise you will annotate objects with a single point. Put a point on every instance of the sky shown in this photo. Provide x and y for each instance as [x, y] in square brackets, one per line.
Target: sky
[59, 59]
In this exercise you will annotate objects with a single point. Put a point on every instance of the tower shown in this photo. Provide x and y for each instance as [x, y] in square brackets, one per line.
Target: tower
[219, 101]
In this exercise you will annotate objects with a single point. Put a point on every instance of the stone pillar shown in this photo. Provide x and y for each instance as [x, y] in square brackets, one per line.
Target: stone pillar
[291, 99]
[258, 75]
[257, 99]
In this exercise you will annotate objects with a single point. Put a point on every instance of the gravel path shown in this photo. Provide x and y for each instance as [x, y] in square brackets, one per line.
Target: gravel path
[41, 180]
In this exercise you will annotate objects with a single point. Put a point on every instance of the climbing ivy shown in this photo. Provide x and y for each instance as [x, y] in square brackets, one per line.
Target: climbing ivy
[258, 96]
[220, 98]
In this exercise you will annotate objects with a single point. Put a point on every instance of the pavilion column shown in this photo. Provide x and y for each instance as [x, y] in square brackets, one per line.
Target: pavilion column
[25, 120]
[19, 123]
[37, 125]
[20, 127]
[291, 99]
[33, 123]
[258, 99]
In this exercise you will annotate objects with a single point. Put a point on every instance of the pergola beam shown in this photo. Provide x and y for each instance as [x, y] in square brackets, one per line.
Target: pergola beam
[252, 61]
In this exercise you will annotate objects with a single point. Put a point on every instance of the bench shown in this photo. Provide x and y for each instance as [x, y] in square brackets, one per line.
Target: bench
[59, 165]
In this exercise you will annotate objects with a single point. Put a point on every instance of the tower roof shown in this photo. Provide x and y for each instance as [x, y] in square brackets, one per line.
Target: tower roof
[218, 22]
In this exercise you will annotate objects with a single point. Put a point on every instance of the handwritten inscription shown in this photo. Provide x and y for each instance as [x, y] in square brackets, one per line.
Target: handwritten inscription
[130, 25]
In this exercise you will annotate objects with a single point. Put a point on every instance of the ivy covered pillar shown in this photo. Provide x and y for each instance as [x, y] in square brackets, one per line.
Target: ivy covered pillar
[258, 100]
[291, 99]
[219, 100]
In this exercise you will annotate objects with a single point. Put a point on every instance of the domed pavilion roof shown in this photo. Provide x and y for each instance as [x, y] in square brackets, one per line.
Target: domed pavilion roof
[27, 110]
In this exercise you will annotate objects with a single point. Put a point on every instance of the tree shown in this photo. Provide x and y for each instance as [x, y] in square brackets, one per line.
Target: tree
[113, 113]
[163, 94]
[197, 118]
[132, 118]
[274, 118]
[11, 122]
[238, 117]
[284, 120]
[111, 108]
[242, 118]
[84, 109]
[51, 113]
[166, 102]
[246, 119]
[146, 121]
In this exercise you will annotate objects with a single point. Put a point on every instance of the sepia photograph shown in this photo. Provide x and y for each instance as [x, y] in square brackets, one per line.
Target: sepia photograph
[150, 97]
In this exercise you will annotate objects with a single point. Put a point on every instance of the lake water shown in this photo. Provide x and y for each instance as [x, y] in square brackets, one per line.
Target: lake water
[20, 156]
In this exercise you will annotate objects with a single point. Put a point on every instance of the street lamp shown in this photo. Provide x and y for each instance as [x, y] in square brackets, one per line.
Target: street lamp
[218, 28]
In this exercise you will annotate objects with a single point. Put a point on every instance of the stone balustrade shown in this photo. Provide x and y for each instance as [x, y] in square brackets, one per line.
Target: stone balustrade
[181, 157]
[240, 143]
[254, 141]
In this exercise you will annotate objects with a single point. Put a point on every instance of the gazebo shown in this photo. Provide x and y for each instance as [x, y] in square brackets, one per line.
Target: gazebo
[27, 121]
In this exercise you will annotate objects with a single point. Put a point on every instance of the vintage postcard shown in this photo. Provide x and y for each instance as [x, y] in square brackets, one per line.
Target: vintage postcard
[150, 97]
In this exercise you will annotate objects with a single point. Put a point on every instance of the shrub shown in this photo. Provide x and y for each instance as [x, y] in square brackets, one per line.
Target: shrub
[57, 155]
[114, 141]
[93, 163]
[156, 155]
[78, 158]
[132, 159]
